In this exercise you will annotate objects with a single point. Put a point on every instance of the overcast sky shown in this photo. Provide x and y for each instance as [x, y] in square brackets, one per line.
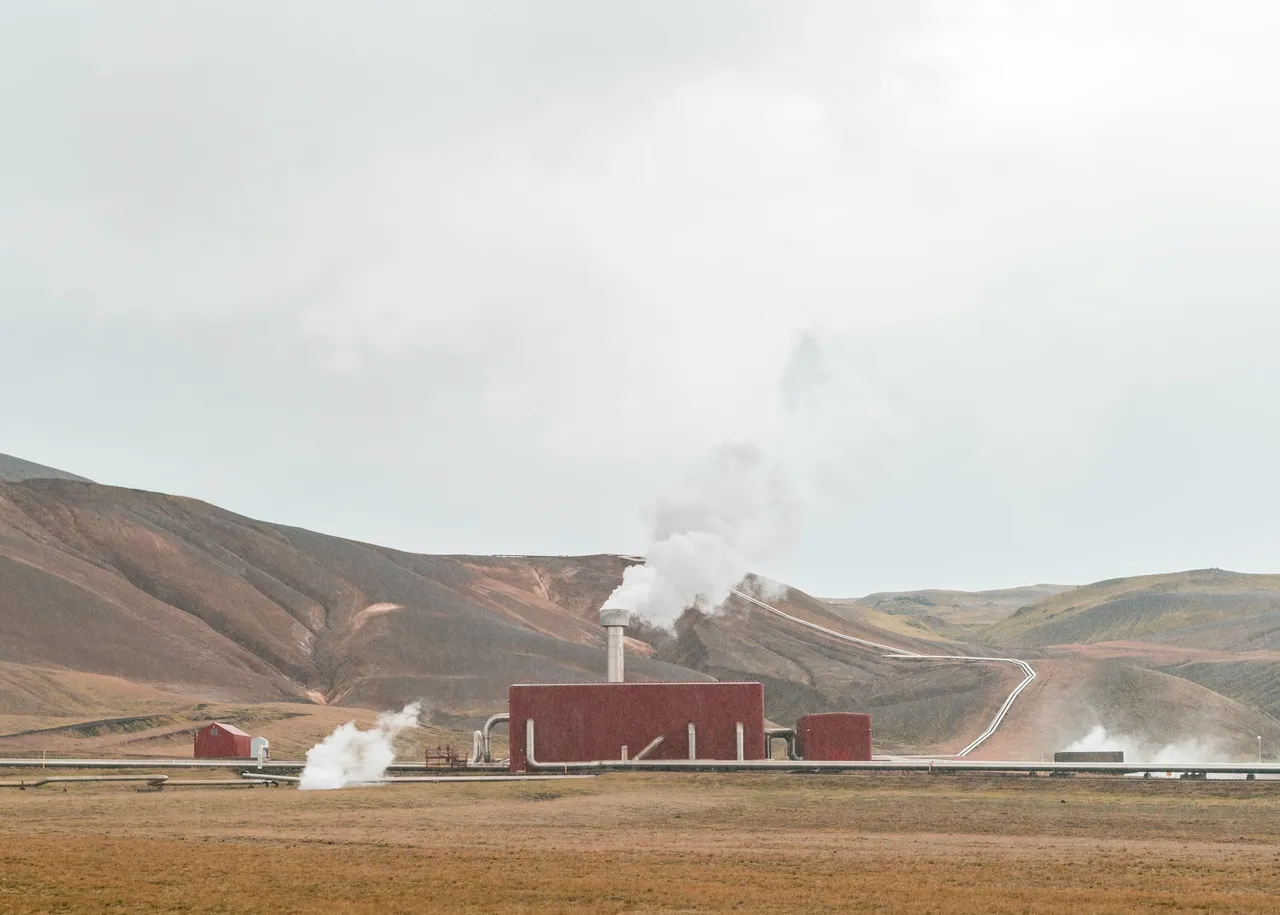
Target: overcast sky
[994, 285]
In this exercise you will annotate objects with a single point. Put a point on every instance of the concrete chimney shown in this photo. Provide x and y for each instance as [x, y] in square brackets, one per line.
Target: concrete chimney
[615, 627]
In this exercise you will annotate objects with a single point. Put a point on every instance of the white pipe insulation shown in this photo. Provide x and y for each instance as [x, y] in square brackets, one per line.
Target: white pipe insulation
[902, 654]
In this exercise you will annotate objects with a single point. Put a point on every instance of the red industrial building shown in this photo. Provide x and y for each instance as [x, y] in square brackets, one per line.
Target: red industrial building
[834, 736]
[555, 724]
[580, 722]
[222, 741]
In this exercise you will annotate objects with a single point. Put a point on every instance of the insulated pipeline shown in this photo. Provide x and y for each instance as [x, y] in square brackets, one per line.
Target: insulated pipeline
[902, 654]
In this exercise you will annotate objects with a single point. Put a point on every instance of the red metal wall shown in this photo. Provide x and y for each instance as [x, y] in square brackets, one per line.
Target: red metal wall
[576, 722]
[221, 745]
[839, 736]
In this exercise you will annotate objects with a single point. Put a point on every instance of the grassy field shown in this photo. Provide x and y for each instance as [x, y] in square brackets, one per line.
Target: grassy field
[649, 843]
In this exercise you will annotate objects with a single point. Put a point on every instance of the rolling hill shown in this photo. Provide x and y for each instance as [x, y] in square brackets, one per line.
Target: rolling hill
[959, 612]
[128, 616]
[15, 470]
[1205, 609]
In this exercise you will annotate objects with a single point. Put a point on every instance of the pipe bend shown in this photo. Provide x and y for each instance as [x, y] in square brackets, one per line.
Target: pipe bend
[787, 734]
[488, 732]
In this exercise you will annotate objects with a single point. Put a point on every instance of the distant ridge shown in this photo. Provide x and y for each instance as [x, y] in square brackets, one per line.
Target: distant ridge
[1206, 609]
[15, 470]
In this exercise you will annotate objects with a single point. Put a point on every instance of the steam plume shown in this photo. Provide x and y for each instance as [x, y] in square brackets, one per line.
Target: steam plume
[706, 536]
[1137, 750]
[350, 756]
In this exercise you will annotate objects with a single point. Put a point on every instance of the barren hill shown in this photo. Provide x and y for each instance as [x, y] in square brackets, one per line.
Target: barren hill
[15, 470]
[1205, 609]
[194, 600]
[185, 599]
[955, 611]
[128, 615]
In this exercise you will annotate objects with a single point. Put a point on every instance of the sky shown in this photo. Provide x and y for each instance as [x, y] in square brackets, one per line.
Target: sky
[992, 287]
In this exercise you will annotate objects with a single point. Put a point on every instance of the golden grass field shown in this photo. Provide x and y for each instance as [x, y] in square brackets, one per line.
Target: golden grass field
[650, 843]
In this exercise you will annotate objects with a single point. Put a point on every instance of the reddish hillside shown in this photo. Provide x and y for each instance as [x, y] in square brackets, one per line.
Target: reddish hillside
[195, 600]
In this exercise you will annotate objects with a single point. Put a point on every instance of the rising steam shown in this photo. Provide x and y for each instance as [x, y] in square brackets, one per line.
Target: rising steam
[706, 537]
[350, 756]
[1138, 750]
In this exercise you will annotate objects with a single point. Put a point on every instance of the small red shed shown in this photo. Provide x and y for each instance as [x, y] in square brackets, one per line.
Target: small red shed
[835, 736]
[222, 741]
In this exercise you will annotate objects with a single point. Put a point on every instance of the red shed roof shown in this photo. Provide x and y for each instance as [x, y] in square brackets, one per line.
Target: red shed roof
[229, 728]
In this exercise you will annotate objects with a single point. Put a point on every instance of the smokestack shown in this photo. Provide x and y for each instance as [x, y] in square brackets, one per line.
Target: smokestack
[615, 625]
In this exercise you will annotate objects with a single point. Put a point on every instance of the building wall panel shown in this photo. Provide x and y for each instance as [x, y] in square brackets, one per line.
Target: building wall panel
[577, 722]
[835, 736]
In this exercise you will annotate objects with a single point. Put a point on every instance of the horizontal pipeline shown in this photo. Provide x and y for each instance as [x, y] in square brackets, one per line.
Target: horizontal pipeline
[936, 766]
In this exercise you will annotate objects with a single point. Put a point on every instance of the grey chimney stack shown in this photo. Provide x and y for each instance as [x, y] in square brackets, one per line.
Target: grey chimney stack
[615, 626]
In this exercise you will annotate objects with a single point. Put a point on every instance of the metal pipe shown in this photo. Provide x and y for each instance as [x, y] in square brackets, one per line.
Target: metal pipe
[787, 734]
[649, 747]
[741, 754]
[693, 741]
[938, 766]
[823, 629]
[488, 732]
[426, 779]
[615, 626]
[1008, 702]
[902, 654]
[23, 784]
[887, 765]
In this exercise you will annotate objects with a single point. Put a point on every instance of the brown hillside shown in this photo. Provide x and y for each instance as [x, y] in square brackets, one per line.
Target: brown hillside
[1209, 608]
[953, 611]
[124, 604]
[916, 706]
[194, 600]
[14, 470]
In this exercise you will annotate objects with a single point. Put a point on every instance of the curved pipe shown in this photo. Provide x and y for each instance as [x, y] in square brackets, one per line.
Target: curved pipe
[787, 734]
[487, 732]
[901, 654]
[823, 629]
[1008, 703]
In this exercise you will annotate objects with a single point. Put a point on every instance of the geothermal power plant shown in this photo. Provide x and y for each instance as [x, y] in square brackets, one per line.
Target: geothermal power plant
[580, 724]
[573, 730]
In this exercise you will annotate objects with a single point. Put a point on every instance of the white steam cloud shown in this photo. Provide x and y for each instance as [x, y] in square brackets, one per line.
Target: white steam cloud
[706, 536]
[1135, 750]
[350, 756]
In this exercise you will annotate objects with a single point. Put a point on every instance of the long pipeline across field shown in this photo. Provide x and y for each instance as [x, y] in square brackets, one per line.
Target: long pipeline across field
[902, 654]
[936, 766]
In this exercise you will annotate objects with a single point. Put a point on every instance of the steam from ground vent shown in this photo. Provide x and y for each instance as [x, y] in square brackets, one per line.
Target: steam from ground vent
[350, 756]
[1139, 751]
[706, 536]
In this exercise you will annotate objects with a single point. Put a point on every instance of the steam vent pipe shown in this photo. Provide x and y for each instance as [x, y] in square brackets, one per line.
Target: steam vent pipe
[615, 627]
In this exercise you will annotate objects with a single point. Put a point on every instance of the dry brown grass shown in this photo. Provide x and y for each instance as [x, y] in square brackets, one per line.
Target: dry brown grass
[651, 843]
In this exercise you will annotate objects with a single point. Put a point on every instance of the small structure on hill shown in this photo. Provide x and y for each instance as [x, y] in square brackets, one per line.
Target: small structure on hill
[217, 740]
[1089, 756]
[260, 749]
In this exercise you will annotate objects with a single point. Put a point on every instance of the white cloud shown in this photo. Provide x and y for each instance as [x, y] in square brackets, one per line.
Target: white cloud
[589, 230]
